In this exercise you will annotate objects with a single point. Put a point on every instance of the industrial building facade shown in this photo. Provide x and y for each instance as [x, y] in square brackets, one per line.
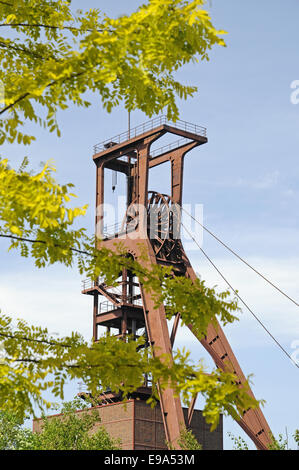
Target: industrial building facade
[140, 427]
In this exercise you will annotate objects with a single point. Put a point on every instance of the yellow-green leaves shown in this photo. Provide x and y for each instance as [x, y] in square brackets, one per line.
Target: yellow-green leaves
[32, 361]
[10, 18]
[34, 205]
[75, 431]
[48, 60]
[221, 392]
[198, 304]
[132, 59]
[34, 200]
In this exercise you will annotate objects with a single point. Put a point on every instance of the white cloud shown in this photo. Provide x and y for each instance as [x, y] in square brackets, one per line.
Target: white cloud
[278, 314]
[266, 181]
[53, 298]
[49, 298]
[289, 192]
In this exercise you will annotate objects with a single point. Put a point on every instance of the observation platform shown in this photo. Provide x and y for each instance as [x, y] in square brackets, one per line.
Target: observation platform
[110, 312]
[123, 144]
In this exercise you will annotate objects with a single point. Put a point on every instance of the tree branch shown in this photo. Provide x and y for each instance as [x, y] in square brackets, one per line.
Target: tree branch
[56, 245]
[25, 95]
[24, 51]
[31, 340]
[22, 97]
[38, 25]
[67, 366]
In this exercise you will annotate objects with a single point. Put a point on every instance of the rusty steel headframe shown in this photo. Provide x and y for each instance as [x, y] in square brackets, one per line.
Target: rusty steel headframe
[129, 308]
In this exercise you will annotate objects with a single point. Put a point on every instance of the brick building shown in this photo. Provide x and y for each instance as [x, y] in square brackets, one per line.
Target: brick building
[140, 427]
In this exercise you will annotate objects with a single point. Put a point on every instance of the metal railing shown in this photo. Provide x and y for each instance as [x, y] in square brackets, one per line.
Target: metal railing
[148, 126]
[107, 306]
[111, 230]
[89, 283]
[171, 146]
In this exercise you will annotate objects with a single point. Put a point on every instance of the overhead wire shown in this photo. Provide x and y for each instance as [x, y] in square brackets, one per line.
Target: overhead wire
[207, 257]
[241, 299]
[242, 259]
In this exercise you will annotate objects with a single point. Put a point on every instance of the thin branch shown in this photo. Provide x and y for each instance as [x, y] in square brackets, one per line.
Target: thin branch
[32, 340]
[19, 49]
[24, 51]
[25, 95]
[42, 341]
[70, 28]
[137, 269]
[67, 366]
[22, 97]
[56, 245]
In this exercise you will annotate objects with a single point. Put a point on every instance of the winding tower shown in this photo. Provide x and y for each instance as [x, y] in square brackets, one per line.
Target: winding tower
[128, 308]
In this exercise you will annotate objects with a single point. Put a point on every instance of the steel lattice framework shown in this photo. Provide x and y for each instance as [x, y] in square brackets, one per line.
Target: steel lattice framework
[130, 308]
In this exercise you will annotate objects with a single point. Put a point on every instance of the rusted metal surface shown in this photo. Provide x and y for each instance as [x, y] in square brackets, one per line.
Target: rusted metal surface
[174, 329]
[132, 308]
[217, 345]
[191, 411]
[146, 127]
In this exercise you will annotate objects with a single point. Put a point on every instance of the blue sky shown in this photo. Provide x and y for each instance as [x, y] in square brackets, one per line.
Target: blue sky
[246, 177]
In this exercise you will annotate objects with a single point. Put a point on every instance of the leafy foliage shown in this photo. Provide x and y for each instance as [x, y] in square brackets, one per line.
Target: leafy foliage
[56, 57]
[33, 361]
[280, 443]
[35, 205]
[239, 443]
[13, 436]
[72, 430]
[199, 306]
[31, 355]
[48, 61]
[188, 441]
